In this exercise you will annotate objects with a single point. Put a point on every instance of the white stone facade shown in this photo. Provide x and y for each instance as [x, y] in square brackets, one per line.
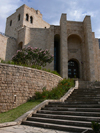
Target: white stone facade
[71, 41]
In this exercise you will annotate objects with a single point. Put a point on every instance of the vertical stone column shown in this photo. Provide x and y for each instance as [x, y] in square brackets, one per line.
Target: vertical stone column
[89, 49]
[27, 35]
[63, 47]
[50, 45]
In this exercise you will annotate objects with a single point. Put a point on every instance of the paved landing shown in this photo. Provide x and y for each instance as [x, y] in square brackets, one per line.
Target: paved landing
[27, 129]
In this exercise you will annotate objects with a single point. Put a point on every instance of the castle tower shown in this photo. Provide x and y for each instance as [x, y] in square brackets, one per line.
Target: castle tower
[24, 16]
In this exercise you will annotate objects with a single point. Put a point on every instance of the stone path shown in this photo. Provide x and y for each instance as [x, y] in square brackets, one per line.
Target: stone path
[27, 129]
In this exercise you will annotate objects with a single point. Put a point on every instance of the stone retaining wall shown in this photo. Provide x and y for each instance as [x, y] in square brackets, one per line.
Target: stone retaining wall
[18, 84]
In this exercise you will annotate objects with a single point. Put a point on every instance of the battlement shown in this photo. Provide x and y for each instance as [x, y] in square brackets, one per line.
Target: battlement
[31, 9]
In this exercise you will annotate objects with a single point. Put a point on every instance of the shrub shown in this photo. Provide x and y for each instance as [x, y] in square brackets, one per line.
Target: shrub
[95, 127]
[32, 56]
[57, 92]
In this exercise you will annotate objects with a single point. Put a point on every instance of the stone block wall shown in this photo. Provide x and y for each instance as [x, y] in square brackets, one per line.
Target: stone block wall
[11, 30]
[11, 48]
[96, 56]
[40, 38]
[8, 47]
[18, 84]
[63, 47]
[34, 37]
[90, 66]
[3, 44]
[38, 22]
[74, 27]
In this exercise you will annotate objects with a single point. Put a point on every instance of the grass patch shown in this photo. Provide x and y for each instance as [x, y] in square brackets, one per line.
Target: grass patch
[13, 114]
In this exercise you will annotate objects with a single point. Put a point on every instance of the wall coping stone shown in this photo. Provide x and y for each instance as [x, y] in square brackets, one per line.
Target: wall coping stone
[38, 107]
[10, 65]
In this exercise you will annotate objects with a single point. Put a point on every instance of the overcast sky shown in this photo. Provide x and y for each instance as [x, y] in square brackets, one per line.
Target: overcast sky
[52, 10]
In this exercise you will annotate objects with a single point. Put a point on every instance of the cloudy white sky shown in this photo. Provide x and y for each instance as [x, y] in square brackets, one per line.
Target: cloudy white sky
[52, 10]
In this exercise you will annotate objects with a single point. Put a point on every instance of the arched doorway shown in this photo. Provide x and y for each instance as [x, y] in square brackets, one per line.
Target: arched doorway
[73, 69]
[57, 53]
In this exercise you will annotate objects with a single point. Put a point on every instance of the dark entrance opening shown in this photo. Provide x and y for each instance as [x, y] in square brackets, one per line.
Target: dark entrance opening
[73, 69]
[20, 46]
[57, 53]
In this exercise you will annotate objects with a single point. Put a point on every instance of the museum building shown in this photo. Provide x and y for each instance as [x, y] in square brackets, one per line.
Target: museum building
[73, 44]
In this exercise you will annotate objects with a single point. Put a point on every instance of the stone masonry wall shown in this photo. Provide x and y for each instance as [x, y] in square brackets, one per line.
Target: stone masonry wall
[96, 56]
[7, 47]
[40, 38]
[18, 84]
[3, 44]
[63, 47]
[38, 22]
[12, 30]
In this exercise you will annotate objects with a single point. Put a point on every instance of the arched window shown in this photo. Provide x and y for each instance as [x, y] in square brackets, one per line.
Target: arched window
[10, 22]
[31, 19]
[27, 17]
[19, 17]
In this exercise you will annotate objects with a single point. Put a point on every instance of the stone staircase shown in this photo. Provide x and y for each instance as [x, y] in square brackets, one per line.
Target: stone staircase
[73, 116]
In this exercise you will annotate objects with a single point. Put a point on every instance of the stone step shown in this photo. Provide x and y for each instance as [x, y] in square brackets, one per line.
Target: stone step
[81, 102]
[72, 109]
[61, 122]
[76, 113]
[85, 94]
[71, 103]
[78, 95]
[84, 98]
[56, 103]
[86, 91]
[75, 105]
[74, 129]
[89, 89]
[68, 117]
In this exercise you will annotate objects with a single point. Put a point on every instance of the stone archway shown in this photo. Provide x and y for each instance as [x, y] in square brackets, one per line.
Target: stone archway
[73, 69]
[75, 51]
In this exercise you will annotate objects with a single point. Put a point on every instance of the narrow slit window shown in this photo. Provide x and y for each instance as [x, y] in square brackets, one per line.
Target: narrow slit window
[27, 17]
[31, 19]
[19, 17]
[10, 22]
